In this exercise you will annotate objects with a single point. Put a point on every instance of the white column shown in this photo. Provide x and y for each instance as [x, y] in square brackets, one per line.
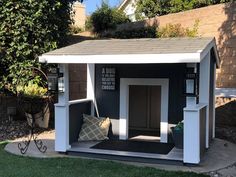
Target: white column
[191, 101]
[204, 89]
[194, 133]
[191, 136]
[62, 114]
[91, 86]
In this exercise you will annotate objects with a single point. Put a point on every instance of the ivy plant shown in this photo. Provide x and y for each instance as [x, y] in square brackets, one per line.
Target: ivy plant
[29, 28]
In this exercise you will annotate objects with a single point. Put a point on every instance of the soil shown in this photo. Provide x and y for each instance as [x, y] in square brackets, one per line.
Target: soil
[227, 133]
[17, 129]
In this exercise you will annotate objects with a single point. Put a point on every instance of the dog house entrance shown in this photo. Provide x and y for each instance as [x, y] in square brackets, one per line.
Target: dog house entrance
[144, 112]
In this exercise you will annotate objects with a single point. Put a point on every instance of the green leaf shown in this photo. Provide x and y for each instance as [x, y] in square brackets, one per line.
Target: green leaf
[29, 28]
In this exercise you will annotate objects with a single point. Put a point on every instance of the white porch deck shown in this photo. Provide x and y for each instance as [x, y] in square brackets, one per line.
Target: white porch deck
[85, 147]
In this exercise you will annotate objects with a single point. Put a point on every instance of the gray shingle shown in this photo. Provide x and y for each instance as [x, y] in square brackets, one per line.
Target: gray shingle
[134, 46]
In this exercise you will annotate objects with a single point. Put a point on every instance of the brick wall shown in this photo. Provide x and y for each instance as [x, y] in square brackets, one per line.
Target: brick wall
[218, 21]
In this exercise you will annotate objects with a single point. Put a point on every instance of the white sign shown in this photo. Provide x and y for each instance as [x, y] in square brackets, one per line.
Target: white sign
[108, 78]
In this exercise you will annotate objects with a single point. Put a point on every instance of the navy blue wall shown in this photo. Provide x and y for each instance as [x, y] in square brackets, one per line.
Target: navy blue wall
[108, 101]
[76, 112]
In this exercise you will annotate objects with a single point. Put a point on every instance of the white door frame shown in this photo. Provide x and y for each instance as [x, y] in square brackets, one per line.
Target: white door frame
[124, 104]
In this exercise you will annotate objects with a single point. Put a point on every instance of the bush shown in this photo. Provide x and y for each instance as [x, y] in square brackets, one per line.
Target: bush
[176, 30]
[152, 8]
[75, 29]
[88, 24]
[145, 32]
[32, 90]
[169, 31]
[29, 28]
[106, 18]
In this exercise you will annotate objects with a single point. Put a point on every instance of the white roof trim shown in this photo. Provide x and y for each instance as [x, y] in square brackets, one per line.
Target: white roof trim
[204, 52]
[125, 59]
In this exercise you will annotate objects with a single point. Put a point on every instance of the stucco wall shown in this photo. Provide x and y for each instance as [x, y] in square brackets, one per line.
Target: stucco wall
[79, 15]
[218, 21]
[129, 9]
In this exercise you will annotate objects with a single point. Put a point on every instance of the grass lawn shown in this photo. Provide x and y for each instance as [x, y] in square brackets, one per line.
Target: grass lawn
[17, 166]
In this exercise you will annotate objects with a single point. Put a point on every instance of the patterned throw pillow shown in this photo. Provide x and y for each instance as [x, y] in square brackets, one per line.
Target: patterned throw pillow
[94, 128]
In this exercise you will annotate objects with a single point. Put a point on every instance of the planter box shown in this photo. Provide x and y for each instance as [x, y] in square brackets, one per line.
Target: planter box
[41, 118]
[178, 137]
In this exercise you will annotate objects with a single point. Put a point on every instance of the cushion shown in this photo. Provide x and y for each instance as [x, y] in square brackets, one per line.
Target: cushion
[94, 128]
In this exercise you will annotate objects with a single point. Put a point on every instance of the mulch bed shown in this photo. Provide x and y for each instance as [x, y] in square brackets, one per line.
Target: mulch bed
[227, 133]
[16, 129]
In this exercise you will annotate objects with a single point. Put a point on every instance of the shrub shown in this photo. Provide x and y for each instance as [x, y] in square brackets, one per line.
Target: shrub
[88, 24]
[145, 32]
[32, 90]
[151, 8]
[75, 29]
[29, 28]
[169, 31]
[106, 18]
[176, 30]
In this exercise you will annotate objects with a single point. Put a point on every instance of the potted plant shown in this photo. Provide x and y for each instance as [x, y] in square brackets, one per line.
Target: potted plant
[177, 135]
[34, 102]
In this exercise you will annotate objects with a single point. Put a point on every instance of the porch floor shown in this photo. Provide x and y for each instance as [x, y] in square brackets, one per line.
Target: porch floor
[85, 147]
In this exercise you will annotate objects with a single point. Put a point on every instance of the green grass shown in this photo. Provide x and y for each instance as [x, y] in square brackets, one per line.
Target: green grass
[17, 166]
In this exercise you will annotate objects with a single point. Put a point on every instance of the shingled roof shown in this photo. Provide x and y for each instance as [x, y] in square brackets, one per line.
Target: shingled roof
[166, 46]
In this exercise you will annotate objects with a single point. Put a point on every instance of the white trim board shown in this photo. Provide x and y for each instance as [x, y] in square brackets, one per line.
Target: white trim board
[123, 58]
[225, 92]
[124, 104]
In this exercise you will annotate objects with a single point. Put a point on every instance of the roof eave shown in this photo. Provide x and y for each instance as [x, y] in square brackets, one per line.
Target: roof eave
[208, 48]
[123, 58]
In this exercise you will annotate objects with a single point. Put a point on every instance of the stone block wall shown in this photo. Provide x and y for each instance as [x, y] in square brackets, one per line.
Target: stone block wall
[217, 21]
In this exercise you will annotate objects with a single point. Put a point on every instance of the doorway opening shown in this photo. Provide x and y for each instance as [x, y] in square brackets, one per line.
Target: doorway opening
[144, 112]
[125, 84]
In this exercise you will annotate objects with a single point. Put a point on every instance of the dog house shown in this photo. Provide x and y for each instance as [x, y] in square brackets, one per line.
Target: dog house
[145, 87]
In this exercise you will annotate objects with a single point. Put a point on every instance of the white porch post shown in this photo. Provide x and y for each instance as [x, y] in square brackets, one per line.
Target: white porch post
[204, 90]
[90, 86]
[62, 114]
[194, 133]
[191, 101]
